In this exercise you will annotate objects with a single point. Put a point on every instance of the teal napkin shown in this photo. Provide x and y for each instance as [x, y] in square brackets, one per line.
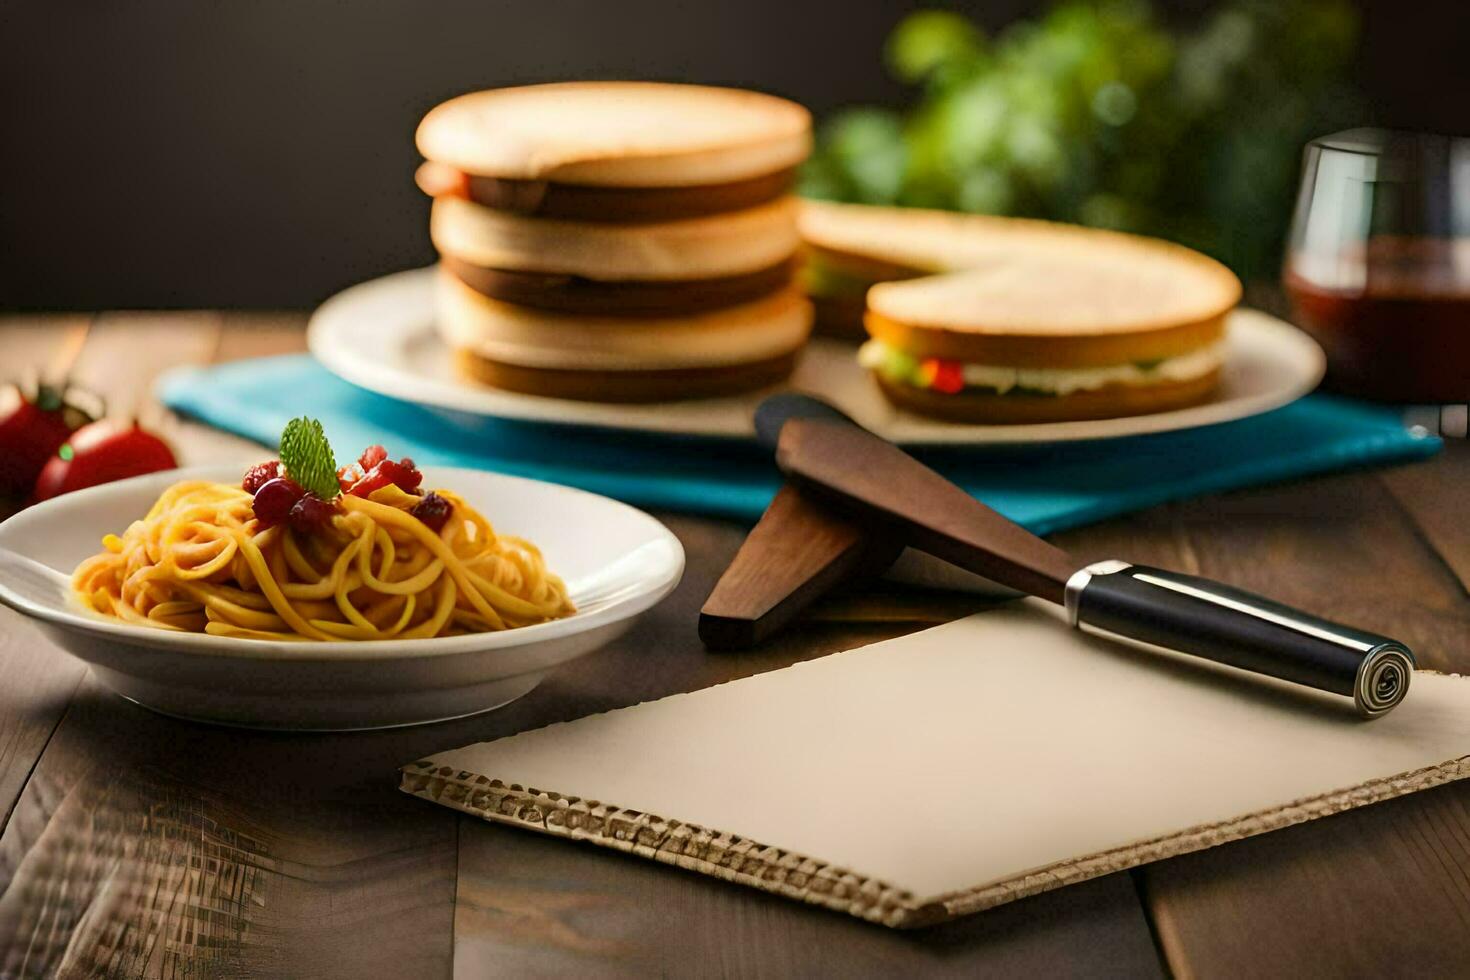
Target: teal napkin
[1044, 488]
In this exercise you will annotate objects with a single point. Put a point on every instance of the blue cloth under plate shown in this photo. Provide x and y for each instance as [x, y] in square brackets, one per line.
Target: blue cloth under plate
[1045, 488]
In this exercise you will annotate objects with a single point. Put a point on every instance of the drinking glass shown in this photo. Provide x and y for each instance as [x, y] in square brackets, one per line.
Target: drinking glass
[1378, 263]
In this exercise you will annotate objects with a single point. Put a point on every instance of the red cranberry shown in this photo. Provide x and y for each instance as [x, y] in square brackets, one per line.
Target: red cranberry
[405, 474]
[433, 510]
[371, 456]
[274, 500]
[310, 513]
[259, 474]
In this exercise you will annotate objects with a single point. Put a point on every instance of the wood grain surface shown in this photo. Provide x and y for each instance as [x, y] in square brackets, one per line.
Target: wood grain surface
[136, 845]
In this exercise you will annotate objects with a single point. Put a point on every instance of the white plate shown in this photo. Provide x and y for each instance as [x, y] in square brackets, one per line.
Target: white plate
[380, 335]
[617, 562]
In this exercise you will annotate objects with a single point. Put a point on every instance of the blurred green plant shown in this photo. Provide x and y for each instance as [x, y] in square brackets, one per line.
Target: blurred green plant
[1097, 113]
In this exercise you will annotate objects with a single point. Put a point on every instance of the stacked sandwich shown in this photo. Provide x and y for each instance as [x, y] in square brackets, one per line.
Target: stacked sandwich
[998, 320]
[618, 241]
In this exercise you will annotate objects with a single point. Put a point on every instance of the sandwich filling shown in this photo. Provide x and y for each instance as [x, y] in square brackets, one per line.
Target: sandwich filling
[576, 294]
[575, 202]
[953, 377]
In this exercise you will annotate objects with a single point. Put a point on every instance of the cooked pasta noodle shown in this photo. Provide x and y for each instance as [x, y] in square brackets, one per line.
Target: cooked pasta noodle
[201, 561]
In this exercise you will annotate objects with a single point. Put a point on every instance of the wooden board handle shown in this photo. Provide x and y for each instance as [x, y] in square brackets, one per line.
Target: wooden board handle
[796, 554]
[872, 479]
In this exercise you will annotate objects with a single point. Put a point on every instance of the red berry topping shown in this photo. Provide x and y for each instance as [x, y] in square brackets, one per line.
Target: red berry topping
[405, 477]
[259, 474]
[370, 481]
[433, 510]
[371, 456]
[274, 500]
[405, 474]
[310, 513]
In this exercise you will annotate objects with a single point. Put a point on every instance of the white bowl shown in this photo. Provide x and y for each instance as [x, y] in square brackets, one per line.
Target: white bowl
[617, 562]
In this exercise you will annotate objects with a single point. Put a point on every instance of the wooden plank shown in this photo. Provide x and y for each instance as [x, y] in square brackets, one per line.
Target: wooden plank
[122, 356]
[880, 602]
[32, 341]
[37, 682]
[526, 905]
[1154, 536]
[1381, 891]
[532, 906]
[147, 846]
[127, 352]
[1339, 547]
[254, 334]
[1436, 494]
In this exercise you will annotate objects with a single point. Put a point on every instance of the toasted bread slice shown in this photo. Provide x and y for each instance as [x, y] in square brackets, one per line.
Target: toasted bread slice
[767, 328]
[730, 244]
[1063, 288]
[1060, 302]
[922, 240]
[1016, 291]
[617, 134]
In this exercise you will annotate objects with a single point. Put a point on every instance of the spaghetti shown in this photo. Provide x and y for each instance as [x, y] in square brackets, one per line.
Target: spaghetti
[204, 560]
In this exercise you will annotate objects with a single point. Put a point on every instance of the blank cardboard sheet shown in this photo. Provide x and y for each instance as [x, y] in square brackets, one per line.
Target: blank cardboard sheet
[957, 768]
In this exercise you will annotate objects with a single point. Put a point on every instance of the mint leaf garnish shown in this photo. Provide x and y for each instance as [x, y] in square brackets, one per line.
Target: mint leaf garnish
[307, 458]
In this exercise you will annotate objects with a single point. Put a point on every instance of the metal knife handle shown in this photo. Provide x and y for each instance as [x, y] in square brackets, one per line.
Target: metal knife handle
[1207, 619]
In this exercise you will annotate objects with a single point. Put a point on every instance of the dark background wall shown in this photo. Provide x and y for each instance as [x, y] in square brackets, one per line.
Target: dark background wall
[259, 154]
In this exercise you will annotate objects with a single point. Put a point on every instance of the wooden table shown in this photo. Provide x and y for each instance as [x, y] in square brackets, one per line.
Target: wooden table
[137, 845]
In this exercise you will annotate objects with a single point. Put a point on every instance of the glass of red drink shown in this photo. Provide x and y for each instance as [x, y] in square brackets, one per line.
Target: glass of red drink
[1378, 263]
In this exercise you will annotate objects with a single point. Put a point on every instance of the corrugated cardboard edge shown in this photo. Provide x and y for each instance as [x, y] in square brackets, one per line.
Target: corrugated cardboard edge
[739, 859]
[686, 845]
[1198, 838]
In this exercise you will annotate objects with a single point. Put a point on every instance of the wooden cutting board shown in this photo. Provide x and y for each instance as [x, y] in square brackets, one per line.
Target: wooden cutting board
[956, 769]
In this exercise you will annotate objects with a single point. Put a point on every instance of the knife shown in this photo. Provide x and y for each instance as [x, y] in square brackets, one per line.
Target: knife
[875, 483]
